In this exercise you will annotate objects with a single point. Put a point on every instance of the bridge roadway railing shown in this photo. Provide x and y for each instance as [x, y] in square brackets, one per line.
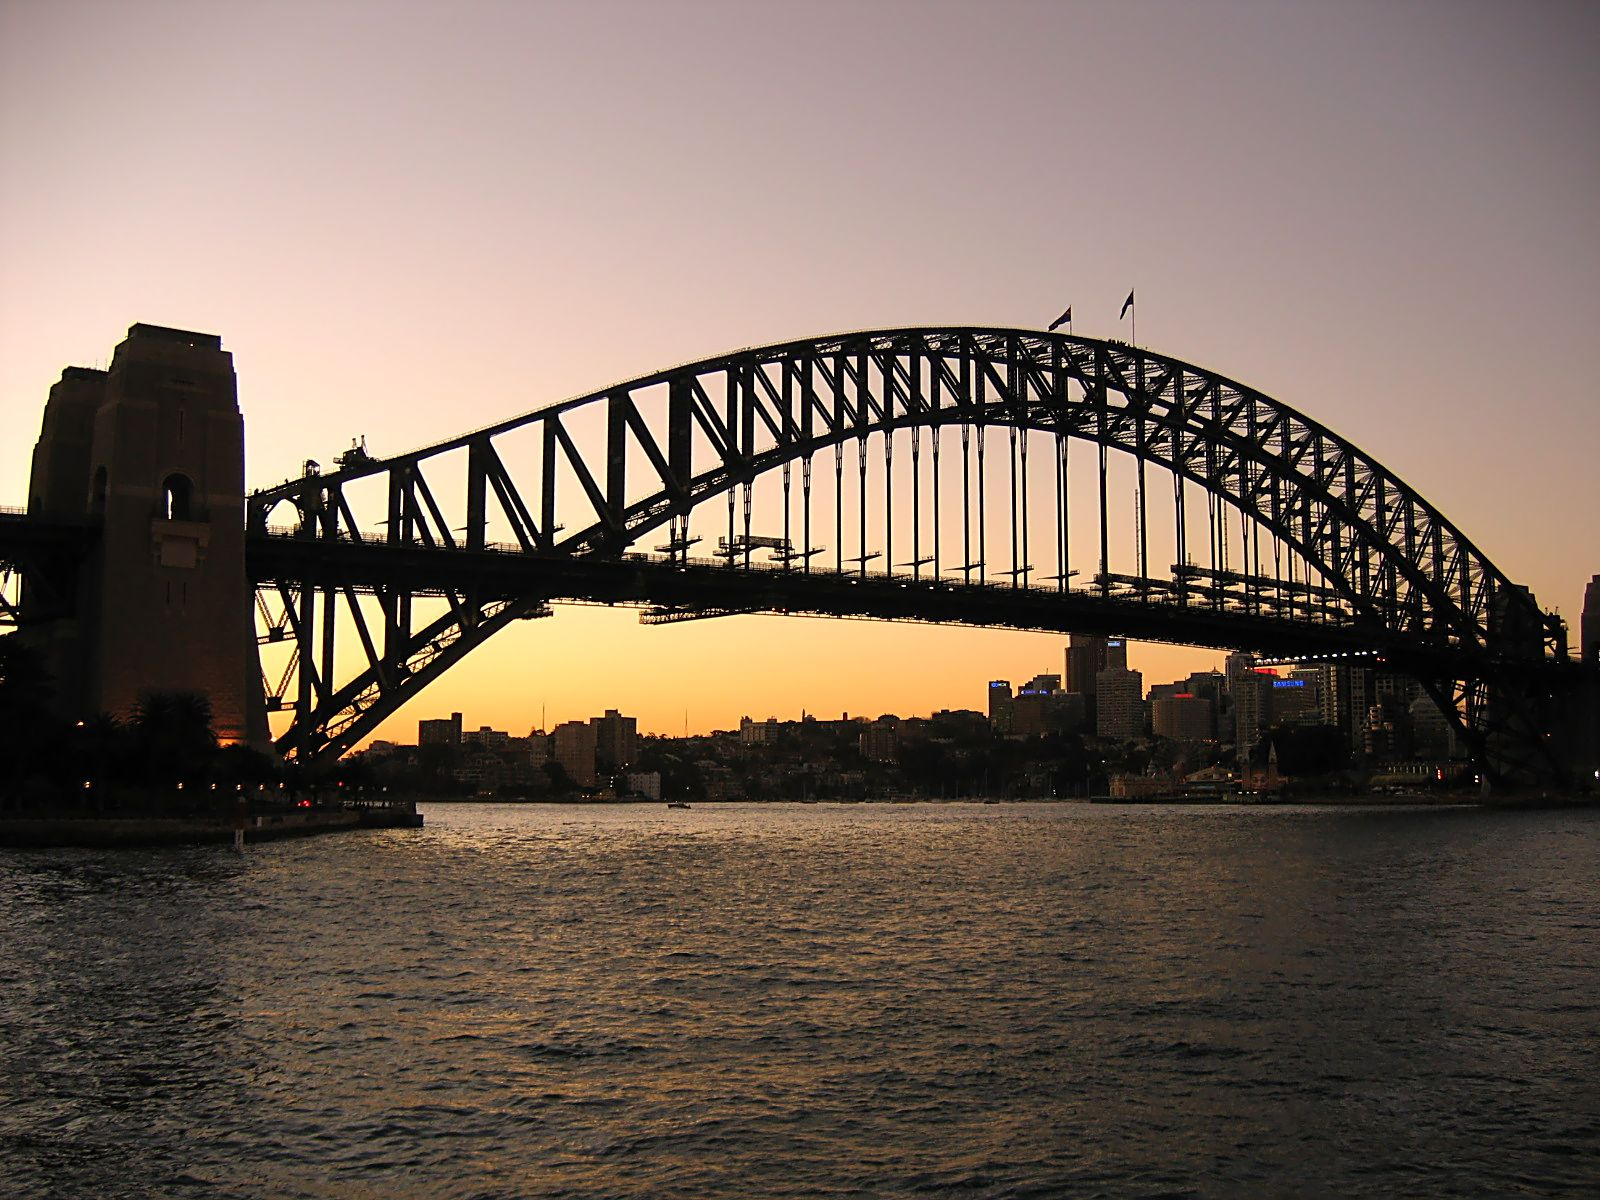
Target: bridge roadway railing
[1254, 595]
[1228, 610]
[1256, 590]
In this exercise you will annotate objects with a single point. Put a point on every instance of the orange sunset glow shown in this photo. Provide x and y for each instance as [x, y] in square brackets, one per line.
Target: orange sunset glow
[405, 224]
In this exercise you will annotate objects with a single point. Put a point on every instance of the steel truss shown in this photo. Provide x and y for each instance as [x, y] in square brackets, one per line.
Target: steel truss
[1301, 525]
[40, 563]
[10, 596]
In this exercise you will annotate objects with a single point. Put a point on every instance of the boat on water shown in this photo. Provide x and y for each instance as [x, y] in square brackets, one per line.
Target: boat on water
[677, 804]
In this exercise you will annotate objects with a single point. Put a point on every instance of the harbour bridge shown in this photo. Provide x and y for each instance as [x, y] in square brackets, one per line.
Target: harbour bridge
[963, 475]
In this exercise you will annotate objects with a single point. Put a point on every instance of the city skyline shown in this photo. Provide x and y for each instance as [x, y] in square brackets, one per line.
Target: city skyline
[404, 229]
[970, 697]
[1214, 681]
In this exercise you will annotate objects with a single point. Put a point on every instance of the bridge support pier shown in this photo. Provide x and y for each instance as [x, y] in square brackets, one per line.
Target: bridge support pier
[1575, 728]
[149, 456]
[1537, 730]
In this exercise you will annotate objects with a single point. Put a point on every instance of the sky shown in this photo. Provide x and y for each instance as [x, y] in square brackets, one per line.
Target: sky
[410, 219]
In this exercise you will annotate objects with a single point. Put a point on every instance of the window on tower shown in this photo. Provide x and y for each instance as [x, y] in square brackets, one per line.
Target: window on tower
[175, 498]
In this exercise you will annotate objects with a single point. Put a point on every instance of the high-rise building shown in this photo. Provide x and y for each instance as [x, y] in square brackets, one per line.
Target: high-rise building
[440, 732]
[1387, 735]
[1433, 734]
[1295, 699]
[1086, 658]
[1236, 665]
[573, 745]
[1589, 625]
[1120, 703]
[878, 742]
[1515, 622]
[1040, 710]
[1390, 685]
[1087, 655]
[1000, 704]
[1333, 694]
[1344, 694]
[1210, 684]
[1117, 653]
[616, 741]
[1184, 716]
[1251, 692]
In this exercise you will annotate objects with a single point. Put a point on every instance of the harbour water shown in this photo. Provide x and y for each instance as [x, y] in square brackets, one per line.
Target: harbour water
[813, 1000]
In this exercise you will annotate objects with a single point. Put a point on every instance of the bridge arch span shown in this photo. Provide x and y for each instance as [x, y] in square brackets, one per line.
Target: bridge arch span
[578, 485]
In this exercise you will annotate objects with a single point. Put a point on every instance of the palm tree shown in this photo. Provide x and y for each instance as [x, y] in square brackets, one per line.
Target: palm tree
[173, 739]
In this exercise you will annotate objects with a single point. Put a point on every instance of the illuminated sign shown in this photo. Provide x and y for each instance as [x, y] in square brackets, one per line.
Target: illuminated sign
[1278, 683]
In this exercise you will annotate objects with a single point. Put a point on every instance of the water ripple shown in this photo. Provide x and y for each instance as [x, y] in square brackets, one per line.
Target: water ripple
[841, 1001]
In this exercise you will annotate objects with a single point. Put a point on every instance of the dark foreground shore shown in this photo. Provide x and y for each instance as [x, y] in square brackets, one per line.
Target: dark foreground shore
[99, 831]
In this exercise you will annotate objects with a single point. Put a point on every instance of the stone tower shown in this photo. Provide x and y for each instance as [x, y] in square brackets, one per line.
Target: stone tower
[58, 492]
[151, 454]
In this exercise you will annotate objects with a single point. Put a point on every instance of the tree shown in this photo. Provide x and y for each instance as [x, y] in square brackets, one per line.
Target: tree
[172, 736]
[1306, 749]
[560, 781]
[680, 776]
[30, 736]
[239, 764]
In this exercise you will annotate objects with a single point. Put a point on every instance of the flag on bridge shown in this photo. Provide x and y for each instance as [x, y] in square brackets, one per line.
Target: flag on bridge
[1126, 305]
[1064, 319]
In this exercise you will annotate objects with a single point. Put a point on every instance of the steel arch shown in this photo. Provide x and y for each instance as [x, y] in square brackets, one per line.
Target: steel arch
[1410, 577]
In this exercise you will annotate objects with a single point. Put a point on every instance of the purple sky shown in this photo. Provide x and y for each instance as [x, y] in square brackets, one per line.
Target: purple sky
[407, 219]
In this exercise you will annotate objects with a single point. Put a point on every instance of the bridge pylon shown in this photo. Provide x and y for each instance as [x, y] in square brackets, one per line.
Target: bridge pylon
[147, 458]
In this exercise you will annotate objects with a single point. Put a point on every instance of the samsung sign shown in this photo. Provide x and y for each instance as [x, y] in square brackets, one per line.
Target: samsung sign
[1278, 683]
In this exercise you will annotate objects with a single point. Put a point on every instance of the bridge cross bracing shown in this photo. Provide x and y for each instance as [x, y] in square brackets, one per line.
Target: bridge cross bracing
[986, 476]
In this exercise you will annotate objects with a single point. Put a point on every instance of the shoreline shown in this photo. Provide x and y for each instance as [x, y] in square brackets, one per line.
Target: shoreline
[45, 832]
[54, 832]
[1306, 800]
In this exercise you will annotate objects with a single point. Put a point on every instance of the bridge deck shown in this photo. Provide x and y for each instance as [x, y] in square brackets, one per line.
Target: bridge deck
[1196, 616]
